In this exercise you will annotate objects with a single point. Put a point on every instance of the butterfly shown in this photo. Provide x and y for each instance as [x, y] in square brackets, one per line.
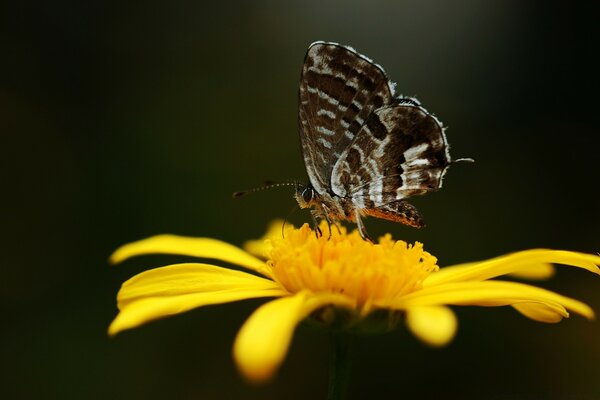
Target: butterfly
[365, 149]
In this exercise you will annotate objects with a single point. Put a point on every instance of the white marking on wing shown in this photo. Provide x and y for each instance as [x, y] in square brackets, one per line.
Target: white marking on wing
[323, 70]
[375, 64]
[328, 113]
[387, 118]
[374, 167]
[348, 135]
[360, 152]
[359, 201]
[336, 177]
[376, 191]
[317, 59]
[380, 150]
[351, 82]
[322, 157]
[416, 179]
[325, 131]
[417, 162]
[325, 96]
[392, 86]
[357, 104]
[437, 143]
[416, 151]
[312, 175]
[324, 143]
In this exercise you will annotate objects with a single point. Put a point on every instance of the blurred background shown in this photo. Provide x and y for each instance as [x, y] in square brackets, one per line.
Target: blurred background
[124, 120]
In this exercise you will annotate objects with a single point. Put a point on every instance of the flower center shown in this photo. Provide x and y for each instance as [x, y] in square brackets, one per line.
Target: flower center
[371, 274]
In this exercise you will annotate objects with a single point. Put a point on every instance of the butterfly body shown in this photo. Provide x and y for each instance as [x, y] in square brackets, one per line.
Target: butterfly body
[325, 205]
[365, 149]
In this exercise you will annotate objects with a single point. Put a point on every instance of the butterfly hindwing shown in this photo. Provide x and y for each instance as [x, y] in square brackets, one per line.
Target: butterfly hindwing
[400, 151]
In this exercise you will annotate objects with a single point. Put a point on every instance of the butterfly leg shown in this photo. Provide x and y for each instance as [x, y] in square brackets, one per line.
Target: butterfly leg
[316, 216]
[337, 226]
[326, 213]
[361, 227]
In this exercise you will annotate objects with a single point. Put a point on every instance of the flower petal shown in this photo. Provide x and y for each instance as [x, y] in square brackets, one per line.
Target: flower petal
[188, 278]
[537, 272]
[539, 312]
[436, 326]
[261, 247]
[189, 246]
[178, 288]
[492, 293]
[512, 263]
[263, 341]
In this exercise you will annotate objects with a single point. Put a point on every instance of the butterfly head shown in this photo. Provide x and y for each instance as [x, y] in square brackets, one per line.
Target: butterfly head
[306, 195]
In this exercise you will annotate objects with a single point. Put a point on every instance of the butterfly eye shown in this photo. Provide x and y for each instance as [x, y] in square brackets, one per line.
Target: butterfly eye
[307, 195]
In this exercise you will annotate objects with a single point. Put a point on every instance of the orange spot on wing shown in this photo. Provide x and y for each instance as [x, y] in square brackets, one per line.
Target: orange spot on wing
[390, 216]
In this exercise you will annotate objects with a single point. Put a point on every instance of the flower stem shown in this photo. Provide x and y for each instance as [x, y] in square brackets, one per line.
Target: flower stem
[339, 367]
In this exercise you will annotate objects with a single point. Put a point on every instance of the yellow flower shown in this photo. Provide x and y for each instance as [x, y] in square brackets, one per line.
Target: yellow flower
[339, 280]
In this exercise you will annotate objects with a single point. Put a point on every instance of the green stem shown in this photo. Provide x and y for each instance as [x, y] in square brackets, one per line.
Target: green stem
[339, 367]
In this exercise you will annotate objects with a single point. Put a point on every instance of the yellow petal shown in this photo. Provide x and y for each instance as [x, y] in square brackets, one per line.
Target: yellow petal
[189, 278]
[492, 293]
[188, 246]
[539, 312]
[541, 271]
[263, 341]
[538, 272]
[178, 288]
[436, 326]
[261, 247]
[512, 263]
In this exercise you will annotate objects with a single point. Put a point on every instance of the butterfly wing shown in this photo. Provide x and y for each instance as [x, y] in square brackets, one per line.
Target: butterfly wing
[339, 90]
[400, 151]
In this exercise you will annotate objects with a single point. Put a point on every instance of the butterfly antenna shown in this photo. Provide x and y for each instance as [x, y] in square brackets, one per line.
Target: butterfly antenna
[266, 185]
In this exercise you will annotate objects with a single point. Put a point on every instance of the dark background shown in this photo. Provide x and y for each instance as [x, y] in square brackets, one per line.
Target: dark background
[121, 121]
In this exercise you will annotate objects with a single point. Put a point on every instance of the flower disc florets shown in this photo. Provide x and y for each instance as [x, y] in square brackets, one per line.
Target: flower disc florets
[342, 263]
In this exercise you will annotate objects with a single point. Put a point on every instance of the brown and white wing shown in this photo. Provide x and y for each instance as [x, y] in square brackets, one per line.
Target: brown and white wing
[339, 89]
[400, 151]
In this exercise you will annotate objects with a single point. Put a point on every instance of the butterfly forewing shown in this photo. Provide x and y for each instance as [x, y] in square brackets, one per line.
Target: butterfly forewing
[339, 90]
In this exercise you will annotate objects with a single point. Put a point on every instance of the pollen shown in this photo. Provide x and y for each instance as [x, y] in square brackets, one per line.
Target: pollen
[343, 263]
